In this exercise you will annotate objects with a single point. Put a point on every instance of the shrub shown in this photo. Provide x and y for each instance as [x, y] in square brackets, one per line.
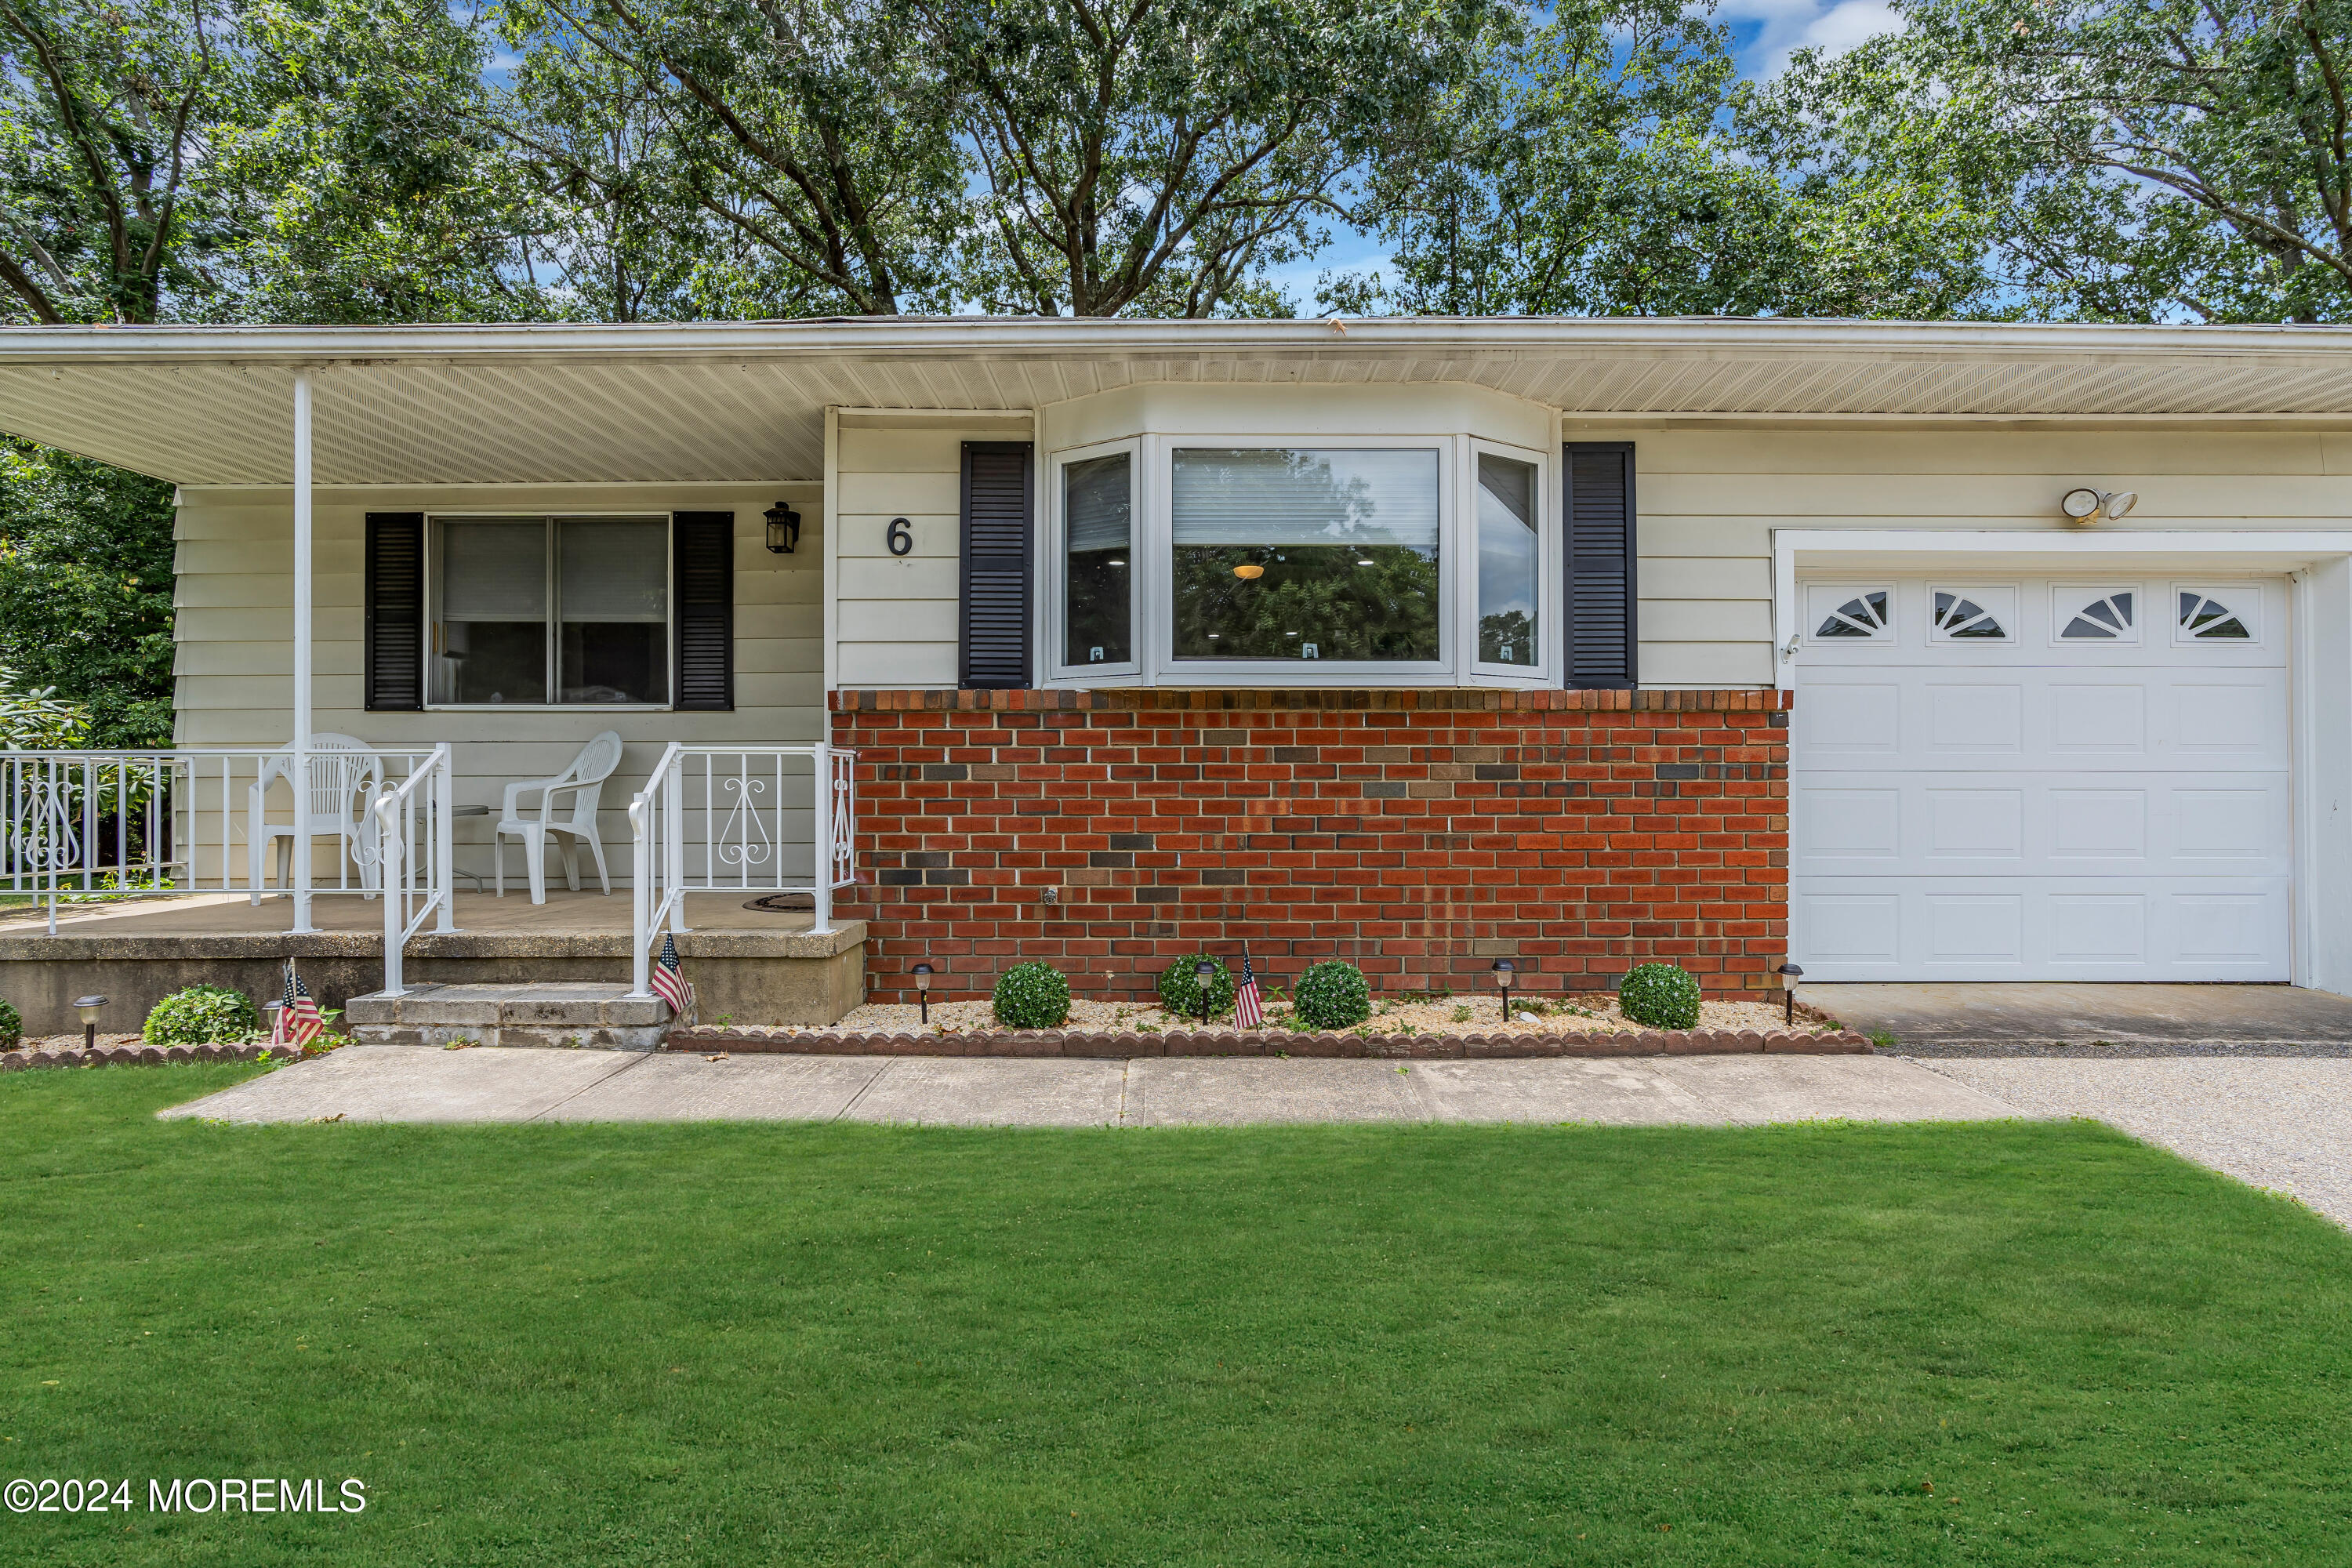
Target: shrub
[1032, 997]
[11, 1026]
[1180, 991]
[202, 1016]
[1660, 997]
[1332, 994]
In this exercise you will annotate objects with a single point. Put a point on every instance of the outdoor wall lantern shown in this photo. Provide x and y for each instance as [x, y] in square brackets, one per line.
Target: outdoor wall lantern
[783, 528]
[1203, 971]
[1790, 974]
[1503, 970]
[923, 990]
[89, 1007]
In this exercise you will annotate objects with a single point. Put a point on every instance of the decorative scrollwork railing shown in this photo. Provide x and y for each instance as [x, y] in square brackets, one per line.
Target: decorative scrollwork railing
[740, 819]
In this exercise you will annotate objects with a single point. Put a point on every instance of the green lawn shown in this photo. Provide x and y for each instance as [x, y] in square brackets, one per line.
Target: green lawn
[733, 1345]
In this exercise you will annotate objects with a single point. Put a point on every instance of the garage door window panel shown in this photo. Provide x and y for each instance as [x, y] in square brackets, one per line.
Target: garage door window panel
[2218, 615]
[2097, 615]
[1970, 614]
[1865, 614]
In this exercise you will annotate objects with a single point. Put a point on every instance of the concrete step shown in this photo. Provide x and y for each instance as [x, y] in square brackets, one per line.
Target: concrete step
[593, 1013]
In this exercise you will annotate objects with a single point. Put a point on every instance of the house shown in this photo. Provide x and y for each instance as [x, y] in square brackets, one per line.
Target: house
[1903, 651]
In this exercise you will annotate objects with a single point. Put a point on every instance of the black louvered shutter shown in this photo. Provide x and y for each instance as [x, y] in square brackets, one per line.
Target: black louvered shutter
[997, 512]
[703, 573]
[1601, 553]
[394, 679]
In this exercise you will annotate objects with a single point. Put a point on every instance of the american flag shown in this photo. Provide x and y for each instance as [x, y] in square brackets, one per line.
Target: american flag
[298, 1022]
[1249, 1008]
[670, 982]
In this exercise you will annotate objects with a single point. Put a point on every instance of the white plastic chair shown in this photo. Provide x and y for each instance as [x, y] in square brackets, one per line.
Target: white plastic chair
[345, 777]
[584, 780]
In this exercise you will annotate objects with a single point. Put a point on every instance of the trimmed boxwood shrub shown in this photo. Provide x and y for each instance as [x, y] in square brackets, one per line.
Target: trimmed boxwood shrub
[1332, 994]
[1032, 997]
[202, 1016]
[1660, 997]
[1179, 992]
[11, 1026]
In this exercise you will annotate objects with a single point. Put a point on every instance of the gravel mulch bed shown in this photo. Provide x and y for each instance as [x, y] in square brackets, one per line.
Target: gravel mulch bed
[1455, 1016]
[1440, 1028]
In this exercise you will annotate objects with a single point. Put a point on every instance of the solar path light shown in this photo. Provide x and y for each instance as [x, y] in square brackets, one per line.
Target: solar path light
[1504, 971]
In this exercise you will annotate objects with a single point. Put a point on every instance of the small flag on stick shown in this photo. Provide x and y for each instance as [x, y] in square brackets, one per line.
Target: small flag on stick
[670, 982]
[298, 1022]
[1249, 1007]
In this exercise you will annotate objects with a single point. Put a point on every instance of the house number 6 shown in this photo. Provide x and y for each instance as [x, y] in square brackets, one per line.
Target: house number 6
[901, 535]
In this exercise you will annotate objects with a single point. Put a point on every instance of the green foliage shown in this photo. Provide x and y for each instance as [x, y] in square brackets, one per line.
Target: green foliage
[12, 1026]
[2128, 159]
[202, 1016]
[34, 720]
[86, 591]
[1659, 996]
[1332, 994]
[1179, 990]
[1609, 162]
[1032, 997]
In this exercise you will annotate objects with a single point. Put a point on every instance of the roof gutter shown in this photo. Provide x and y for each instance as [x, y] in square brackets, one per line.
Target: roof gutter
[1375, 337]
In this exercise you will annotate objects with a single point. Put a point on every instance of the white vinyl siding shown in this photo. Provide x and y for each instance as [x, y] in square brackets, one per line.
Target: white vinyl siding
[233, 658]
[1710, 499]
[897, 619]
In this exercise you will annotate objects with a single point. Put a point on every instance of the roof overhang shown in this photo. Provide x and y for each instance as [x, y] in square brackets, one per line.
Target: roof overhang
[746, 400]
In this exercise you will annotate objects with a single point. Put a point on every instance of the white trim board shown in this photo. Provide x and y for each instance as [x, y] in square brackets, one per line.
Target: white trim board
[2318, 565]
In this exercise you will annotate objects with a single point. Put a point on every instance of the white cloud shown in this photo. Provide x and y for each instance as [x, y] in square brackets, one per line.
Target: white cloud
[1780, 28]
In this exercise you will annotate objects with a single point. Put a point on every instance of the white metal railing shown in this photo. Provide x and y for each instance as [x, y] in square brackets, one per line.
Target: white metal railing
[86, 826]
[412, 836]
[727, 819]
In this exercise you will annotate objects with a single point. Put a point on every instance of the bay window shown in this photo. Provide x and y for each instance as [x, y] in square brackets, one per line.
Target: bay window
[1222, 560]
[549, 611]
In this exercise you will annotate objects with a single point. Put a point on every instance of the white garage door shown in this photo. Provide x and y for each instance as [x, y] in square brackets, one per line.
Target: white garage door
[2004, 778]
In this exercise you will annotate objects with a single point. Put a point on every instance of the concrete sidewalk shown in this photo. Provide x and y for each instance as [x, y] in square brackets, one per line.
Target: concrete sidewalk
[410, 1083]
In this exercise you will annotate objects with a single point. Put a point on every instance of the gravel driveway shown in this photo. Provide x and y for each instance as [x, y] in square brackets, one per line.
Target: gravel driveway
[2279, 1121]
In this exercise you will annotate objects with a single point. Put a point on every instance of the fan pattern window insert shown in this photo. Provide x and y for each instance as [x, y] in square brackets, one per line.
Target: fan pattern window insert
[1864, 616]
[2210, 620]
[2102, 620]
[1957, 615]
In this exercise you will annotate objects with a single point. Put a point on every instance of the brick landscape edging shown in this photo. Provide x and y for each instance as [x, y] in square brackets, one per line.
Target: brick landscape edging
[1213, 1042]
[126, 1056]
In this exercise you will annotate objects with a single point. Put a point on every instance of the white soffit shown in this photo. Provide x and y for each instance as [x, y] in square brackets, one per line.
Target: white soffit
[745, 400]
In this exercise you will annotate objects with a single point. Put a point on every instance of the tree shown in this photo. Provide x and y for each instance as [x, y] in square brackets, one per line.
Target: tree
[1610, 163]
[85, 589]
[348, 150]
[104, 105]
[815, 131]
[2135, 158]
[1154, 157]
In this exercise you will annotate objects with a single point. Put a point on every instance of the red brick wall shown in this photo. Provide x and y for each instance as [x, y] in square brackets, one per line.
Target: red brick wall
[1420, 834]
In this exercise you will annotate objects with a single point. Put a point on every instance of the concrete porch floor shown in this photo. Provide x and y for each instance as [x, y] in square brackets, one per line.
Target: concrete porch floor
[2001, 1018]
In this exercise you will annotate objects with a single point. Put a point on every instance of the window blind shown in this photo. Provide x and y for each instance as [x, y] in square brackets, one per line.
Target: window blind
[1305, 496]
